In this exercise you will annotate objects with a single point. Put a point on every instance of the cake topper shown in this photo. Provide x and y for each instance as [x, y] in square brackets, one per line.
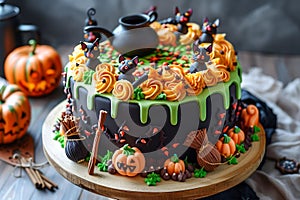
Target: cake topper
[209, 29]
[127, 67]
[180, 19]
[91, 52]
[200, 56]
[91, 21]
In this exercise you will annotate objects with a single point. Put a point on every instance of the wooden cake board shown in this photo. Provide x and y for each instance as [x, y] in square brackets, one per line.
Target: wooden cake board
[121, 187]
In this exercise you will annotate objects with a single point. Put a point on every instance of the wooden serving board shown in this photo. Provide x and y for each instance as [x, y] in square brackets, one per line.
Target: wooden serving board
[121, 187]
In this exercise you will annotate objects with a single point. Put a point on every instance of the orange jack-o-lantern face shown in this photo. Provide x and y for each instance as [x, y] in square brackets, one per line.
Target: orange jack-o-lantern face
[15, 113]
[128, 161]
[36, 69]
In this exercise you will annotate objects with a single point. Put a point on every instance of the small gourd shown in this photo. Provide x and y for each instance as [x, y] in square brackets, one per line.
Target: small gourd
[237, 135]
[174, 165]
[226, 146]
[250, 116]
[128, 161]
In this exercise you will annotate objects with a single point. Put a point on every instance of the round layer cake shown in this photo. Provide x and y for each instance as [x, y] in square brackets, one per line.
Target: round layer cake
[183, 86]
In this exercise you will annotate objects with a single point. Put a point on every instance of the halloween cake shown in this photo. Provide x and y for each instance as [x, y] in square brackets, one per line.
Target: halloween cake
[166, 110]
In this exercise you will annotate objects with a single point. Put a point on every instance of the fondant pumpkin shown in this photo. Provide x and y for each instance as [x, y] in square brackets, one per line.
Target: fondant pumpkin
[15, 113]
[174, 165]
[36, 69]
[128, 161]
[250, 116]
[226, 146]
[236, 134]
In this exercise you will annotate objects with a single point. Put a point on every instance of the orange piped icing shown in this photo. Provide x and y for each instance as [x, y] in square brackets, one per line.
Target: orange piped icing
[105, 81]
[195, 83]
[166, 37]
[210, 77]
[151, 88]
[105, 66]
[193, 34]
[123, 90]
[175, 92]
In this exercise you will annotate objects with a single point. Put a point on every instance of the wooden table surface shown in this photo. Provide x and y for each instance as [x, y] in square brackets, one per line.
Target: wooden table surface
[282, 67]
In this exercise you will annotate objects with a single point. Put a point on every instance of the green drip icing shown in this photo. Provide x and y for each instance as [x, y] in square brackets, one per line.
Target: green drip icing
[144, 109]
[220, 88]
[114, 102]
[173, 114]
[90, 101]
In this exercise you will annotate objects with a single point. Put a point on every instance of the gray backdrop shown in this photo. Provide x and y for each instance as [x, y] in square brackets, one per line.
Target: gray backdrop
[254, 25]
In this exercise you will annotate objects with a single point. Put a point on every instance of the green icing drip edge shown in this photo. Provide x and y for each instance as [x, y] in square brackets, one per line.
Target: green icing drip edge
[220, 88]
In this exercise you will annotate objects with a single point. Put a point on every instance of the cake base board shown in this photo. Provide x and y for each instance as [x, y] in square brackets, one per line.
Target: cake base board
[120, 187]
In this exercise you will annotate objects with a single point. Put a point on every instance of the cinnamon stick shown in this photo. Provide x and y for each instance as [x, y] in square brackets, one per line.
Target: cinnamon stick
[39, 178]
[93, 158]
[30, 173]
[47, 180]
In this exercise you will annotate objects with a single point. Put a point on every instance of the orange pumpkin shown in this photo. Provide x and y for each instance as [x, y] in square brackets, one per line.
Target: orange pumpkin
[36, 69]
[174, 165]
[226, 146]
[237, 135]
[15, 113]
[128, 161]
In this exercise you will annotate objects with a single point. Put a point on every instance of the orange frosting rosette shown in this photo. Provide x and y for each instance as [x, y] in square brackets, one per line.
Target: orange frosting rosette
[224, 51]
[210, 77]
[123, 90]
[153, 74]
[105, 66]
[105, 81]
[175, 92]
[166, 37]
[193, 34]
[222, 73]
[195, 83]
[151, 88]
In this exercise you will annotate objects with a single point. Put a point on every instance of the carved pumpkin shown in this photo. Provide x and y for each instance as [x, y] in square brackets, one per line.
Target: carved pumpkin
[226, 146]
[237, 135]
[174, 165]
[128, 161]
[36, 69]
[15, 113]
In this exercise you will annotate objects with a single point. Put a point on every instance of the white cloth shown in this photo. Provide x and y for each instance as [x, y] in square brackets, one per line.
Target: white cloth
[269, 183]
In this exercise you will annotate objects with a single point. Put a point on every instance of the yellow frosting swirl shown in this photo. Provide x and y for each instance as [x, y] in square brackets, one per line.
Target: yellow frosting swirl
[79, 72]
[123, 90]
[151, 88]
[155, 25]
[105, 81]
[77, 55]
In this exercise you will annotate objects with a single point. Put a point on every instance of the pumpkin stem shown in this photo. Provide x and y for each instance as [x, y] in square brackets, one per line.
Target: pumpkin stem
[2, 88]
[226, 139]
[174, 158]
[236, 129]
[127, 150]
[32, 43]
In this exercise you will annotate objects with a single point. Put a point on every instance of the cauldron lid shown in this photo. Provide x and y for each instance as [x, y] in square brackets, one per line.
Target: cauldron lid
[7, 11]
